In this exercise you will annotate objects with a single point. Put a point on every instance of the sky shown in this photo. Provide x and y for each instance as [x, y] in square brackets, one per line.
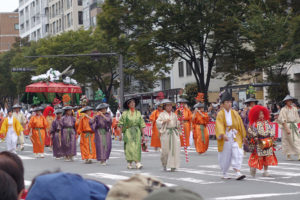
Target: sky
[8, 5]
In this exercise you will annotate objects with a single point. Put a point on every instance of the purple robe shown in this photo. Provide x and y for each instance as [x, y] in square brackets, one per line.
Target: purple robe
[102, 127]
[68, 138]
[54, 131]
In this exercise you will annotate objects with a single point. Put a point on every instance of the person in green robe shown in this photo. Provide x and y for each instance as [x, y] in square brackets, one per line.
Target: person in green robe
[132, 124]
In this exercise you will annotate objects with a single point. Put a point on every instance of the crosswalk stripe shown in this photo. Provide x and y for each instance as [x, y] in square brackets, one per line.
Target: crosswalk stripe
[252, 196]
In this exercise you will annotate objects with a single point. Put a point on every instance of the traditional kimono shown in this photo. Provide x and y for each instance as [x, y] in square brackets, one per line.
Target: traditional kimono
[290, 143]
[115, 129]
[11, 129]
[170, 140]
[187, 122]
[230, 153]
[155, 140]
[132, 123]
[38, 124]
[262, 157]
[67, 125]
[87, 139]
[249, 145]
[103, 142]
[201, 136]
[55, 131]
[21, 118]
[50, 120]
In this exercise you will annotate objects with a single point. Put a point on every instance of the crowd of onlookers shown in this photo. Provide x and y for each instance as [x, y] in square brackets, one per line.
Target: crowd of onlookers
[66, 186]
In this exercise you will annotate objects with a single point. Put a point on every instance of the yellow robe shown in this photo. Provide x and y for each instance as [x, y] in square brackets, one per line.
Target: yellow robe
[16, 125]
[237, 124]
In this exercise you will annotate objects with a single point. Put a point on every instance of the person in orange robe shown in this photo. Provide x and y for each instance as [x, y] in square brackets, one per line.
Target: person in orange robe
[200, 120]
[87, 136]
[187, 122]
[155, 139]
[37, 126]
[49, 116]
[115, 128]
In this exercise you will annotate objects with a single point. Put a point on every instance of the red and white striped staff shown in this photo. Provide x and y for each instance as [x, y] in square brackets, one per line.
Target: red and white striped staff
[180, 118]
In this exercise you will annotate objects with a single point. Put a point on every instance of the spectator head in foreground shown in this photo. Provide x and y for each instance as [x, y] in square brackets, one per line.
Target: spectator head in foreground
[136, 187]
[173, 193]
[13, 166]
[66, 186]
[8, 187]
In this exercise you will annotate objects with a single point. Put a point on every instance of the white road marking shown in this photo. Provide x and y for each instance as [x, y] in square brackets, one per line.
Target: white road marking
[252, 196]
[26, 157]
[108, 176]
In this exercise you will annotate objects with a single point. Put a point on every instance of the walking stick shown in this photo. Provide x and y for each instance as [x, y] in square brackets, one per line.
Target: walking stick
[180, 118]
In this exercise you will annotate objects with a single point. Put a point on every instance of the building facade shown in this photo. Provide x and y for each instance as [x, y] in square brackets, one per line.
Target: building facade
[181, 74]
[65, 15]
[42, 18]
[91, 8]
[9, 30]
[33, 19]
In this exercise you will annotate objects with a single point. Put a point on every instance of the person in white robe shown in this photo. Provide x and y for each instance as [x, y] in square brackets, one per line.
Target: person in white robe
[169, 131]
[288, 120]
[230, 133]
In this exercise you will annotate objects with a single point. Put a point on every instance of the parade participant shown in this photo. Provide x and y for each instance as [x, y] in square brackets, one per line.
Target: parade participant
[169, 126]
[288, 120]
[2, 138]
[11, 129]
[21, 118]
[262, 132]
[230, 133]
[155, 139]
[187, 122]
[67, 125]
[87, 136]
[49, 116]
[115, 129]
[249, 146]
[37, 130]
[200, 120]
[101, 125]
[56, 136]
[132, 124]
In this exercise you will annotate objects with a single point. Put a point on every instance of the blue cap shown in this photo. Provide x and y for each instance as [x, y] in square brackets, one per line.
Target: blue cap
[66, 186]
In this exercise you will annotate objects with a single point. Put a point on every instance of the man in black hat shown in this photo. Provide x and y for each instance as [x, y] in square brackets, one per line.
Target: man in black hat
[230, 133]
[21, 118]
[289, 119]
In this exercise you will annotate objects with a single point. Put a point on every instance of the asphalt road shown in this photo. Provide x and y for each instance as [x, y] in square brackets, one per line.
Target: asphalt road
[201, 174]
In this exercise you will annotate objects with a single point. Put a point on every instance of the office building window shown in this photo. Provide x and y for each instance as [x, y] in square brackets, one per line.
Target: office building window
[16, 26]
[188, 69]
[180, 68]
[166, 83]
[80, 17]
[79, 2]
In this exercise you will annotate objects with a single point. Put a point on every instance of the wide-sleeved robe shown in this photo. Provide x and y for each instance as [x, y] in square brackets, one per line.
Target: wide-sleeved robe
[187, 122]
[38, 124]
[103, 142]
[67, 125]
[50, 120]
[132, 123]
[155, 140]
[170, 140]
[201, 136]
[290, 142]
[87, 139]
[55, 132]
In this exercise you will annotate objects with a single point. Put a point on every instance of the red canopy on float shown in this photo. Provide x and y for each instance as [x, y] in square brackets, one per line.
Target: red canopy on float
[52, 87]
